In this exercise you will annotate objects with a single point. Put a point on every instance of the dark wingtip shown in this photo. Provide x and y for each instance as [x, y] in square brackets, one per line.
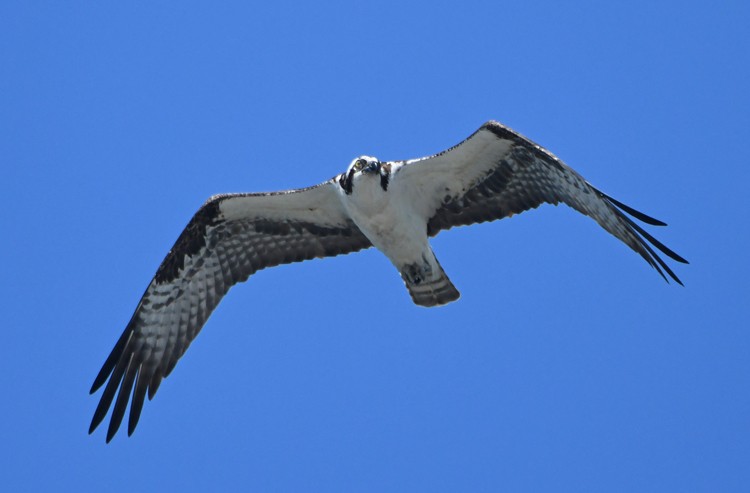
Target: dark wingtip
[664, 249]
[111, 361]
[114, 425]
[117, 372]
[106, 400]
[644, 237]
[102, 376]
[97, 420]
[136, 404]
[633, 212]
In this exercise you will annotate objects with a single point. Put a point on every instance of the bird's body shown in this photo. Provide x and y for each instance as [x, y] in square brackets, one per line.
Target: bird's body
[393, 206]
[386, 211]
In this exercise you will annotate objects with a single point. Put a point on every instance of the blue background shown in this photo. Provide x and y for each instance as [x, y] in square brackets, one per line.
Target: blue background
[567, 365]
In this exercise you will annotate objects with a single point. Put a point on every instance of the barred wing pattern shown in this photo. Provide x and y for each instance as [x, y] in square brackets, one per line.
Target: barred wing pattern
[497, 172]
[229, 238]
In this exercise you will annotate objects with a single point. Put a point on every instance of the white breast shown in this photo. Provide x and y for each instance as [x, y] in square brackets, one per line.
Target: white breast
[388, 219]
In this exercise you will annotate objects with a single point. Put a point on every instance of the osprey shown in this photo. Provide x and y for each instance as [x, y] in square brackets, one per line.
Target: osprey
[394, 206]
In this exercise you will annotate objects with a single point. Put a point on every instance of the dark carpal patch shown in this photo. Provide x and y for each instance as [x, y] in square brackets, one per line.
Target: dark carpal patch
[523, 144]
[190, 241]
[528, 156]
[502, 132]
[472, 206]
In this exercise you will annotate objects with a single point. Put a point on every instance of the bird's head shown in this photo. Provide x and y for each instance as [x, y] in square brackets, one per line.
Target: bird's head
[358, 169]
[365, 165]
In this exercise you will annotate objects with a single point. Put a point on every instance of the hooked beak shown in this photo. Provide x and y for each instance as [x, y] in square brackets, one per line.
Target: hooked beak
[371, 168]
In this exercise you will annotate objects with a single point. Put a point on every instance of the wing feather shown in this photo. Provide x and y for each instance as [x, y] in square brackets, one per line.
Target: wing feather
[496, 173]
[230, 238]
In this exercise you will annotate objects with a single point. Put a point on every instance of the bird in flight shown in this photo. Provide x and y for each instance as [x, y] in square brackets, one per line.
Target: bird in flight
[395, 206]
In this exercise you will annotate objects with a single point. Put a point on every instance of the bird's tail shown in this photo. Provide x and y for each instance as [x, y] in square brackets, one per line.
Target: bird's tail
[432, 289]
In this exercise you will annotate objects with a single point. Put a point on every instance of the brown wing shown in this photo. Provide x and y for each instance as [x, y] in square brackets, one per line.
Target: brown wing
[228, 239]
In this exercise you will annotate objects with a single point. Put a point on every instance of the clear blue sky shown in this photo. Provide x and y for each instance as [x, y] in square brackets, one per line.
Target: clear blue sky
[567, 365]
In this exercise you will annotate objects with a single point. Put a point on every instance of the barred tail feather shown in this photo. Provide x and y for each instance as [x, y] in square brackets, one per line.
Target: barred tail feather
[432, 292]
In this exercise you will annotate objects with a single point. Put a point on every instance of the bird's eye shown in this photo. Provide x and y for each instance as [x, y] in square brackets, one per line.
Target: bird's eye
[361, 163]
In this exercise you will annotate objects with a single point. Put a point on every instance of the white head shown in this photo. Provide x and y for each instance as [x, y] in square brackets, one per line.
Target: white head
[359, 168]
[364, 164]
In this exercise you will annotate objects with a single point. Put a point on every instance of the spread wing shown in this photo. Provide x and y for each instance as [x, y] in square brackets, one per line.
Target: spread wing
[228, 239]
[497, 172]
